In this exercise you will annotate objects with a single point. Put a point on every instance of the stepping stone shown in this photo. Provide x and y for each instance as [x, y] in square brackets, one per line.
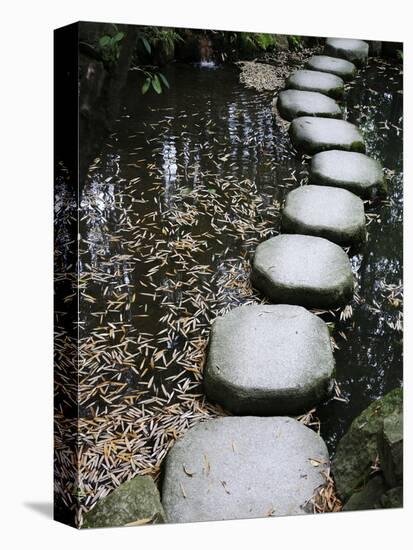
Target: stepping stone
[326, 64]
[353, 171]
[295, 103]
[329, 212]
[243, 467]
[316, 81]
[268, 360]
[355, 51]
[314, 134]
[302, 270]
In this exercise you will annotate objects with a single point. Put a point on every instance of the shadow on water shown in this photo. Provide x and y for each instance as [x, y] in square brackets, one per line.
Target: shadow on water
[168, 153]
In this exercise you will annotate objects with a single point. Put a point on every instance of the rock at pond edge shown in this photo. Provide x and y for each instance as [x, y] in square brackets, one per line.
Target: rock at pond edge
[134, 502]
[358, 450]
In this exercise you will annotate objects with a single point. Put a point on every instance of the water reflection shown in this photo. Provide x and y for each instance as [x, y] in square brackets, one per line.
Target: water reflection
[175, 214]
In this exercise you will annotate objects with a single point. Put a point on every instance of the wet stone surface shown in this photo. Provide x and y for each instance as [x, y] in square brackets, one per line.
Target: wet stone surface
[329, 212]
[355, 51]
[334, 65]
[243, 467]
[317, 81]
[295, 103]
[269, 359]
[352, 171]
[314, 134]
[302, 270]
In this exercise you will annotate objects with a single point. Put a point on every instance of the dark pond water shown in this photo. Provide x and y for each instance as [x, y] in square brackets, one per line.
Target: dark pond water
[186, 187]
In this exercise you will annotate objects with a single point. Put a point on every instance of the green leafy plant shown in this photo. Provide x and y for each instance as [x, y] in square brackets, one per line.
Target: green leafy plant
[400, 54]
[167, 38]
[155, 80]
[159, 39]
[264, 41]
[110, 45]
[251, 41]
[295, 42]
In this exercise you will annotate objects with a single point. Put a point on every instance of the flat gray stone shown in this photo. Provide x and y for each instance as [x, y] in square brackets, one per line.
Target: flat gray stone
[316, 81]
[326, 64]
[302, 270]
[329, 212]
[268, 360]
[243, 467]
[134, 502]
[313, 134]
[355, 172]
[294, 103]
[355, 51]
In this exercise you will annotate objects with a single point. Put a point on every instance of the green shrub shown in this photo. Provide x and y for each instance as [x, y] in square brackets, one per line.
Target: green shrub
[109, 46]
[295, 42]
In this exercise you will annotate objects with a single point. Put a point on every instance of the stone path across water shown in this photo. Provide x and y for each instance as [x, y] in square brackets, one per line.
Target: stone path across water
[274, 359]
[243, 467]
[295, 103]
[353, 171]
[269, 359]
[315, 81]
[329, 212]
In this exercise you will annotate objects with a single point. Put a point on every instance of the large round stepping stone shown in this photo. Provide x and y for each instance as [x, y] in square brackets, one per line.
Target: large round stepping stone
[326, 64]
[243, 467]
[295, 103]
[355, 51]
[316, 81]
[302, 270]
[272, 359]
[314, 134]
[353, 171]
[329, 212]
